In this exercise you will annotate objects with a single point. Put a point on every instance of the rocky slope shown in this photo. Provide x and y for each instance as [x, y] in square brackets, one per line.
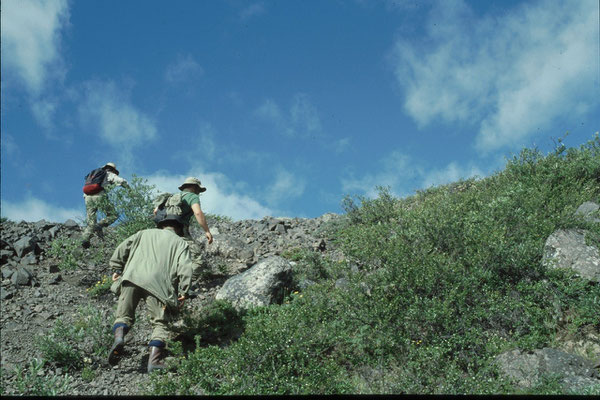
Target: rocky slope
[38, 298]
[37, 295]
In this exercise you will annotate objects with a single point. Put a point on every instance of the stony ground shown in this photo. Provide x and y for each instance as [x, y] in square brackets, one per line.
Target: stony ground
[33, 306]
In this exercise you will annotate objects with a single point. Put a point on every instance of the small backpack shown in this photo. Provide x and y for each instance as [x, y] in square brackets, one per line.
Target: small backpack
[93, 181]
[169, 204]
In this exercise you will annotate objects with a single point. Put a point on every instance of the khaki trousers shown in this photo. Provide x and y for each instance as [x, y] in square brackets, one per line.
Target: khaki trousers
[159, 314]
[93, 204]
[195, 254]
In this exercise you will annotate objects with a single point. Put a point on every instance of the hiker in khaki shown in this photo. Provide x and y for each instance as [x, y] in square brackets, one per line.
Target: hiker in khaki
[99, 201]
[154, 265]
[190, 190]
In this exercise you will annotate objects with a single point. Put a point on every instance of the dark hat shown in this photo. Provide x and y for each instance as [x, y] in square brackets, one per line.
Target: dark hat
[161, 218]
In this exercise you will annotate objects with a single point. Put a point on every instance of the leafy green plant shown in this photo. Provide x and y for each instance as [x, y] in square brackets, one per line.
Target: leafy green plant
[67, 251]
[448, 279]
[134, 207]
[101, 287]
[33, 381]
[68, 342]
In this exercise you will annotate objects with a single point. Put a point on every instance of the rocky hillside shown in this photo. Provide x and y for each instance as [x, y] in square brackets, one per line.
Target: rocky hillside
[51, 312]
[41, 298]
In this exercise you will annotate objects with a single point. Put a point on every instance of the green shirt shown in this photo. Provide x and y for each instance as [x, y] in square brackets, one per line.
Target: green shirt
[189, 199]
[157, 260]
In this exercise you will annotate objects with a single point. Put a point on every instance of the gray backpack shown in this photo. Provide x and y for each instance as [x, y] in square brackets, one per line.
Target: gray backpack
[169, 203]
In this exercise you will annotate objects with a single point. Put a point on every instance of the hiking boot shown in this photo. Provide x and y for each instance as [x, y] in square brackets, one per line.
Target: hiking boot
[117, 347]
[155, 360]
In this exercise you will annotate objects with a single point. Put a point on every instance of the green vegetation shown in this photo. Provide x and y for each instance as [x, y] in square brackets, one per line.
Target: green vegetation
[101, 287]
[34, 381]
[436, 286]
[134, 207]
[68, 344]
[67, 251]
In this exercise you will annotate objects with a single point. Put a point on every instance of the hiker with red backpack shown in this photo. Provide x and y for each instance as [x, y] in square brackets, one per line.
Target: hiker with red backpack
[95, 195]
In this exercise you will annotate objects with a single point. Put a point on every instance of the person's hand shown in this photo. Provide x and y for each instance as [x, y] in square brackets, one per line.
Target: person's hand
[181, 300]
[155, 210]
[209, 237]
[115, 276]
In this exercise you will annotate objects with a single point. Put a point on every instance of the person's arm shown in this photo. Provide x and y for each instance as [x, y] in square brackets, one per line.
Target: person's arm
[202, 221]
[116, 179]
[184, 275]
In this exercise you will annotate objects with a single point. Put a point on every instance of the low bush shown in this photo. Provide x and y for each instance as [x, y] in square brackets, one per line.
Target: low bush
[446, 280]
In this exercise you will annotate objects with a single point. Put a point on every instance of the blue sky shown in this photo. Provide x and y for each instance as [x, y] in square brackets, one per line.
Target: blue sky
[281, 108]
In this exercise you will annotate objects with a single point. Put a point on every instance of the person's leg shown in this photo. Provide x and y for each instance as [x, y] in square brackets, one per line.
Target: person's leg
[124, 318]
[160, 317]
[91, 209]
[111, 213]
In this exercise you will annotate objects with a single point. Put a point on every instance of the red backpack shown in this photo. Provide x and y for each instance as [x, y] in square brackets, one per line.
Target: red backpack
[93, 181]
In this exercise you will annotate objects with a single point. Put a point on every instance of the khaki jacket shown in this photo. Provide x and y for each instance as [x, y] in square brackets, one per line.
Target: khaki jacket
[156, 260]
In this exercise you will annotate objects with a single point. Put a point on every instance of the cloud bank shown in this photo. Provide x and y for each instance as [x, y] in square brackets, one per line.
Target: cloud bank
[118, 122]
[33, 209]
[509, 76]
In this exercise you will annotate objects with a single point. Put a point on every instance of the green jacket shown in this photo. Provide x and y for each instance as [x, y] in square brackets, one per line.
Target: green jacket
[156, 260]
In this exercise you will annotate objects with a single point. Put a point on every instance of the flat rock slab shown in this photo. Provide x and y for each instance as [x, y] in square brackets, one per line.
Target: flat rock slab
[567, 249]
[527, 368]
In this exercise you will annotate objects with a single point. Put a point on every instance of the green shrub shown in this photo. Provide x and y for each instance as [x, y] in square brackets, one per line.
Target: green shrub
[101, 287]
[448, 279]
[217, 322]
[68, 343]
[34, 382]
[67, 251]
[134, 207]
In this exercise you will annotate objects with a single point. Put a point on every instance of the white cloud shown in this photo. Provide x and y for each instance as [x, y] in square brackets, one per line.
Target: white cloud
[394, 171]
[252, 10]
[302, 119]
[31, 39]
[509, 75]
[119, 123]
[451, 173]
[43, 110]
[285, 186]
[219, 198]
[404, 175]
[183, 69]
[33, 209]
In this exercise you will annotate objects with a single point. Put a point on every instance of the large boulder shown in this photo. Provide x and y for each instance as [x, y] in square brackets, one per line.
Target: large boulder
[528, 368]
[589, 211]
[229, 246]
[25, 245]
[567, 249]
[261, 285]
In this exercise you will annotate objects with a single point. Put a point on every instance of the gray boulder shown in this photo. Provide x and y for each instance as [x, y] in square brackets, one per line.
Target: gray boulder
[230, 247]
[25, 245]
[22, 277]
[261, 285]
[71, 224]
[590, 211]
[567, 249]
[527, 368]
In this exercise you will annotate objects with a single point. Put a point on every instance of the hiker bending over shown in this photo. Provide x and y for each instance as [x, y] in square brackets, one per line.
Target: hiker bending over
[95, 195]
[154, 265]
[190, 206]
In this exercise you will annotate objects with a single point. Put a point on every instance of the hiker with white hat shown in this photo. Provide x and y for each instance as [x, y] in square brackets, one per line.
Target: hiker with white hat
[186, 203]
[97, 182]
